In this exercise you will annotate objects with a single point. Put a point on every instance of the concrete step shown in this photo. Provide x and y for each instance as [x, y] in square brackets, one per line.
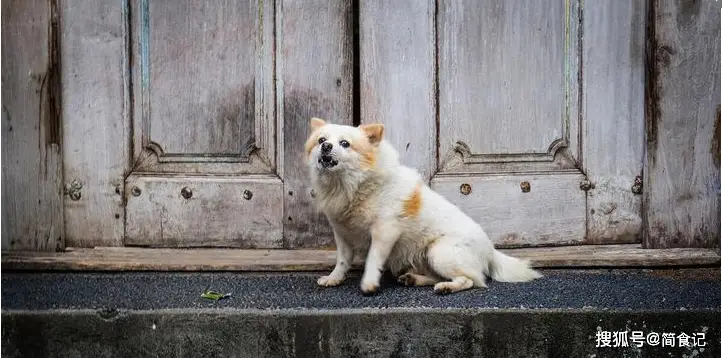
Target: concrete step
[287, 315]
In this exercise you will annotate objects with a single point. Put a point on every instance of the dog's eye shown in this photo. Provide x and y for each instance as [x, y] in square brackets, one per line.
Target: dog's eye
[344, 144]
[321, 140]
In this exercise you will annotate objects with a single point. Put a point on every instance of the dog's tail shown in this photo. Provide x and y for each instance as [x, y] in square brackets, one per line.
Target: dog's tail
[504, 268]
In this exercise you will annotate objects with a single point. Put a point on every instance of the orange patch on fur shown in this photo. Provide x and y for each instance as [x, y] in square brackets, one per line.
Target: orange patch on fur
[367, 153]
[412, 204]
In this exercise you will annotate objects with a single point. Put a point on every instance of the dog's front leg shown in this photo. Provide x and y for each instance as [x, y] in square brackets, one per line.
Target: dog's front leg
[383, 238]
[344, 257]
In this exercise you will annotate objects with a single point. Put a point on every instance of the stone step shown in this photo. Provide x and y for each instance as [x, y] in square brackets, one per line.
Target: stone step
[567, 313]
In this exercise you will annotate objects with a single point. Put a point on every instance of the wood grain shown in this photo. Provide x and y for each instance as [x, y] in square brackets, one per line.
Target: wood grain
[96, 118]
[202, 64]
[32, 207]
[315, 79]
[202, 211]
[508, 86]
[551, 213]
[613, 112]
[398, 60]
[141, 259]
[682, 173]
[203, 87]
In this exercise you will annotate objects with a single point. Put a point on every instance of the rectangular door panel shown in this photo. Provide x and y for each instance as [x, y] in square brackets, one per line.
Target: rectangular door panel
[197, 211]
[203, 87]
[521, 210]
[508, 86]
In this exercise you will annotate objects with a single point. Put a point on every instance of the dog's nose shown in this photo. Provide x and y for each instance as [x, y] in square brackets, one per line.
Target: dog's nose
[326, 147]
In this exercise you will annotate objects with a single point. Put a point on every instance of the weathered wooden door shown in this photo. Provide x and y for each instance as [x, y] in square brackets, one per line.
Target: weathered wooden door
[219, 90]
[184, 122]
[164, 123]
[204, 159]
[527, 115]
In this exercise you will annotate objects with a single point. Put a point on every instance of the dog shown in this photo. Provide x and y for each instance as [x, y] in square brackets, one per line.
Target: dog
[371, 200]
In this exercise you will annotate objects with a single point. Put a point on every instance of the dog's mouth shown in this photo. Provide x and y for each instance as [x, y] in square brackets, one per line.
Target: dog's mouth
[327, 161]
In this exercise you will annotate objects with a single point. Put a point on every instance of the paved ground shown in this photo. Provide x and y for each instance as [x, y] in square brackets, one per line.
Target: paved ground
[619, 290]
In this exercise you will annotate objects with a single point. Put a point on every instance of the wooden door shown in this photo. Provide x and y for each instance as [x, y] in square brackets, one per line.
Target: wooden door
[184, 123]
[222, 94]
[204, 158]
[487, 99]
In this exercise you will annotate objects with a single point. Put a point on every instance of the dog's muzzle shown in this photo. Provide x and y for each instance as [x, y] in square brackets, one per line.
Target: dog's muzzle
[327, 161]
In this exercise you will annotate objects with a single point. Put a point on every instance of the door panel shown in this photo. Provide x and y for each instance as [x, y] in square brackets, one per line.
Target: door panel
[521, 210]
[508, 116]
[197, 211]
[203, 87]
[212, 110]
[204, 167]
[499, 110]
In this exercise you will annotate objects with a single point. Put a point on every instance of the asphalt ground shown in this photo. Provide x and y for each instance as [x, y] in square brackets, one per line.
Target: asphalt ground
[559, 289]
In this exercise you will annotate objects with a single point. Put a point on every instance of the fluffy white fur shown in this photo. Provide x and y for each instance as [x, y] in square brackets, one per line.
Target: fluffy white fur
[371, 200]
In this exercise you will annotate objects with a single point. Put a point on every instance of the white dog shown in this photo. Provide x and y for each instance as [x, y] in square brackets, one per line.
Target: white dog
[367, 195]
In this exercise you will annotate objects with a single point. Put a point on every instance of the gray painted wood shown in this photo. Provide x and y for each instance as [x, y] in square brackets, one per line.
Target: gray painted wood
[204, 118]
[508, 80]
[398, 60]
[508, 114]
[202, 212]
[550, 213]
[32, 212]
[682, 173]
[203, 85]
[613, 112]
[314, 78]
[96, 121]
[207, 45]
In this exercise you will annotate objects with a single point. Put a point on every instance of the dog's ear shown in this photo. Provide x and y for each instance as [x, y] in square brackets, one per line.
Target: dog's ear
[374, 132]
[317, 123]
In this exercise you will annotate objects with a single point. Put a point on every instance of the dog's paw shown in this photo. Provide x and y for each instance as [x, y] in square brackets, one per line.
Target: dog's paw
[328, 281]
[443, 288]
[369, 288]
[407, 279]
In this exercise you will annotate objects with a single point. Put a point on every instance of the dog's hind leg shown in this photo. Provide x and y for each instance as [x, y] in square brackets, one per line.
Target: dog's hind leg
[457, 263]
[458, 283]
[412, 278]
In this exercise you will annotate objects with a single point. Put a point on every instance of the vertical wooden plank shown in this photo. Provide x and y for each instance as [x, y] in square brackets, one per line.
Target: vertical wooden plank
[613, 111]
[32, 216]
[397, 54]
[682, 172]
[314, 74]
[96, 121]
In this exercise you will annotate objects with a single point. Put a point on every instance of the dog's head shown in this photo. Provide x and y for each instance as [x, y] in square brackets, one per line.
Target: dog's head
[339, 148]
